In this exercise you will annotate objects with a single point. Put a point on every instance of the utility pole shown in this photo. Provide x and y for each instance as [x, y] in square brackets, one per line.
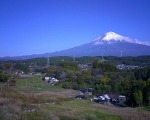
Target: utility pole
[121, 53]
[48, 62]
[74, 59]
[102, 53]
[102, 56]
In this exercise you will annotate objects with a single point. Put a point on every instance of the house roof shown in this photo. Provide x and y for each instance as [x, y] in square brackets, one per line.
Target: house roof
[121, 96]
[107, 97]
[86, 90]
[102, 97]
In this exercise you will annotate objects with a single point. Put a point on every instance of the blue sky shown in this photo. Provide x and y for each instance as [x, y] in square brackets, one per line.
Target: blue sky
[41, 26]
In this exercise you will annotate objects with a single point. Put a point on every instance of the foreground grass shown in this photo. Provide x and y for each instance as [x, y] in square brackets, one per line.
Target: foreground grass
[14, 105]
[31, 99]
[147, 108]
[85, 109]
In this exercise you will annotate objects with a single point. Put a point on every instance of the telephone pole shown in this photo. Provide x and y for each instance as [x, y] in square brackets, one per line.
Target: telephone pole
[48, 62]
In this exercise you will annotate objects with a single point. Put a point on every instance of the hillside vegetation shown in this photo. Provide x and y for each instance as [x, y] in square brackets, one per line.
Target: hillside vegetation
[24, 93]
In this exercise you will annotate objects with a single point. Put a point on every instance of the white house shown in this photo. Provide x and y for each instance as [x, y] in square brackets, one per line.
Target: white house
[104, 97]
[47, 79]
[50, 80]
[107, 97]
[122, 98]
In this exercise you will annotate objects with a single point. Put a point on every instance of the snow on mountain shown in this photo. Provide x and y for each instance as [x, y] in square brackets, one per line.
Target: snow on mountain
[111, 37]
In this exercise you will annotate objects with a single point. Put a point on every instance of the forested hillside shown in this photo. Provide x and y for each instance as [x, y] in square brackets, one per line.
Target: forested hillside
[102, 75]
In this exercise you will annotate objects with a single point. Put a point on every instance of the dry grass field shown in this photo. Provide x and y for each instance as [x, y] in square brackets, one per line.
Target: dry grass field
[34, 100]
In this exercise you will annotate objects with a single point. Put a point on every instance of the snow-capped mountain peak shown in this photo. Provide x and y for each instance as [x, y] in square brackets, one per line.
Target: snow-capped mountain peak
[111, 37]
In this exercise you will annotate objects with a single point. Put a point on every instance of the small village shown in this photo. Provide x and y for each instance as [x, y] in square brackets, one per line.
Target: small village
[102, 99]
[87, 94]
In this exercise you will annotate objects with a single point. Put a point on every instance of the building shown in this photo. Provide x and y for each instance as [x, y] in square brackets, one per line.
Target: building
[121, 98]
[50, 80]
[87, 91]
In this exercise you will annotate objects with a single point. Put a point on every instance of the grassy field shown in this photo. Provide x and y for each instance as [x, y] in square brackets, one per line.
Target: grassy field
[35, 84]
[33, 99]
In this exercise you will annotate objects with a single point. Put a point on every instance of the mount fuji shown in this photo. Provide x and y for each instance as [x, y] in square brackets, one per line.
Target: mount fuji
[109, 44]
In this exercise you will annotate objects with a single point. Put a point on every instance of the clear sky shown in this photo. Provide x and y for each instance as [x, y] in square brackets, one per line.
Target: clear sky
[42, 26]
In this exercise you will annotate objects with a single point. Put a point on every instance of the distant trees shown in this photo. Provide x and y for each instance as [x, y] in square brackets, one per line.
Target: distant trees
[96, 63]
[106, 67]
[69, 65]
[3, 77]
[7, 67]
[22, 67]
[142, 74]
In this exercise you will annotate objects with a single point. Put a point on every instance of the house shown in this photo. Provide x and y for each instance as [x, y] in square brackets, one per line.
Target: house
[95, 99]
[80, 97]
[104, 97]
[122, 98]
[123, 66]
[113, 98]
[85, 66]
[50, 80]
[107, 97]
[54, 80]
[87, 91]
[85, 94]
[47, 79]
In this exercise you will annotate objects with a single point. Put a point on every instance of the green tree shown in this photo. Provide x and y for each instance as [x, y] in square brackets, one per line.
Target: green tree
[51, 71]
[138, 97]
[22, 67]
[96, 63]
[3, 77]
[105, 80]
[146, 93]
[7, 65]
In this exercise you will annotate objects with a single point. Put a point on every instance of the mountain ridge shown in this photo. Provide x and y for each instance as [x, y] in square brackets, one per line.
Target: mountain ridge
[109, 44]
[112, 36]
